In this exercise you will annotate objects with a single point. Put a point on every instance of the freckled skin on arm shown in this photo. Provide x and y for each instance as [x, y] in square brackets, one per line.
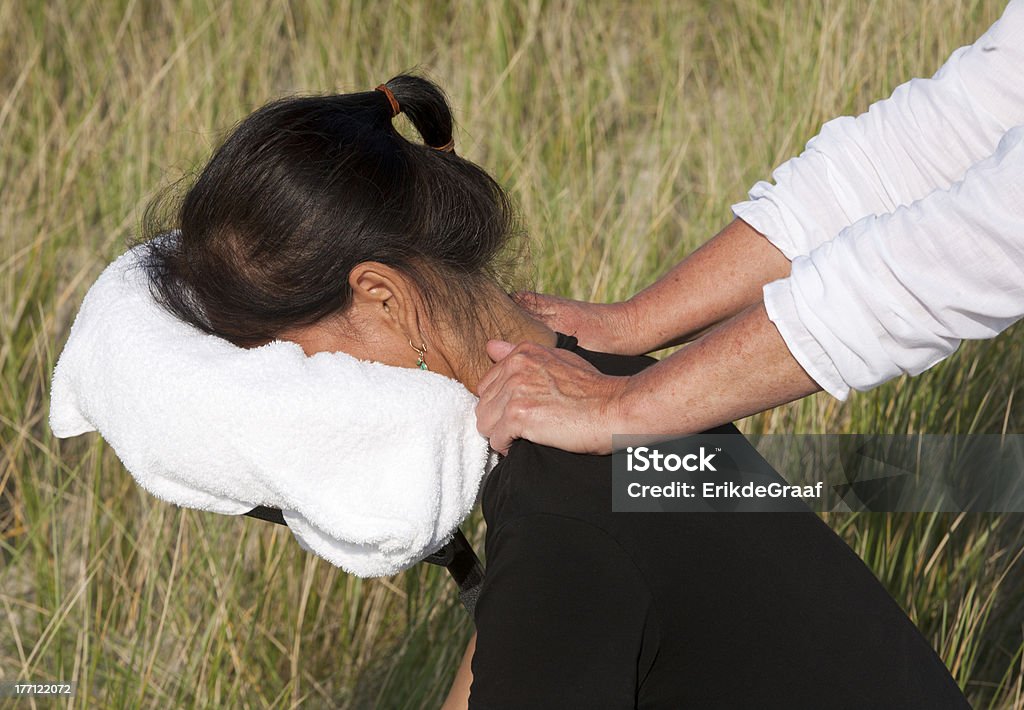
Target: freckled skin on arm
[711, 285]
[739, 369]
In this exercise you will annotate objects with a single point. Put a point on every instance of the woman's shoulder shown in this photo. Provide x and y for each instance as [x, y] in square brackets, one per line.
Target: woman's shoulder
[608, 363]
[540, 479]
[535, 479]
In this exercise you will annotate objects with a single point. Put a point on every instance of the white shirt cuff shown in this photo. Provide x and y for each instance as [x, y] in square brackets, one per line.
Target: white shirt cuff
[781, 308]
[764, 216]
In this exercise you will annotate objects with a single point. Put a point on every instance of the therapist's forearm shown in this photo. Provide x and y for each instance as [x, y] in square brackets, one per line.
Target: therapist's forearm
[740, 368]
[714, 283]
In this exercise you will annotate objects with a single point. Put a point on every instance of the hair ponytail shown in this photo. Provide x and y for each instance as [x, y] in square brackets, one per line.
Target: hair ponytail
[426, 106]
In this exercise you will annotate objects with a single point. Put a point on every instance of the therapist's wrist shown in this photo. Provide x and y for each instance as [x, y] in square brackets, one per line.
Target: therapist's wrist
[650, 324]
[628, 409]
[613, 415]
[625, 328]
[648, 403]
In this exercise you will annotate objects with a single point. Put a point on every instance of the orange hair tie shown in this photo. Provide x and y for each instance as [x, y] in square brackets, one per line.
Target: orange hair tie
[395, 108]
[447, 147]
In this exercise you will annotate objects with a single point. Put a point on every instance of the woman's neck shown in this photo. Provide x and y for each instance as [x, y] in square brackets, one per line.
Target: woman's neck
[503, 320]
[451, 350]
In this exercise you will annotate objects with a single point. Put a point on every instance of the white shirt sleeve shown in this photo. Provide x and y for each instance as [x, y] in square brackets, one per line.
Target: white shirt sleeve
[922, 138]
[896, 293]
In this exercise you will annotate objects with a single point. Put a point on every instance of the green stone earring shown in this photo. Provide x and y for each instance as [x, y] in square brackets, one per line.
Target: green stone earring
[421, 351]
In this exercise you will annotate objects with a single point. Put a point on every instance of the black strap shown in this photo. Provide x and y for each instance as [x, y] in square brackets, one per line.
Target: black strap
[457, 556]
[271, 515]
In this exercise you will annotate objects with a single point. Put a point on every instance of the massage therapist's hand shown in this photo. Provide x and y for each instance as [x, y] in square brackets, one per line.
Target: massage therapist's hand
[708, 287]
[549, 396]
[605, 327]
[554, 397]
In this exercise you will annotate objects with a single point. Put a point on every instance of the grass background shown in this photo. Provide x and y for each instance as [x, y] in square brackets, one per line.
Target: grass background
[624, 131]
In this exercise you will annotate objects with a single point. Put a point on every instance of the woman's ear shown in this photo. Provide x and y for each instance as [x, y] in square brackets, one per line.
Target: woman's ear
[372, 283]
[385, 295]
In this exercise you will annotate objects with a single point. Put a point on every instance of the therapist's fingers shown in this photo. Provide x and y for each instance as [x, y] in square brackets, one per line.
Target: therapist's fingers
[607, 327]
[494, 422]
[497, 417]
[549, 309]
[562, 314]
[549, 396]
[497, 350]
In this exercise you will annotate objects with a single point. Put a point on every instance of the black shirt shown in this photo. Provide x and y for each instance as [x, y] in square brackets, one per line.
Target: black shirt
[585, 608]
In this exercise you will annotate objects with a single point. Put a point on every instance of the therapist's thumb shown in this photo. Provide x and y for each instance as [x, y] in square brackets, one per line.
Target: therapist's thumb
[497, 350]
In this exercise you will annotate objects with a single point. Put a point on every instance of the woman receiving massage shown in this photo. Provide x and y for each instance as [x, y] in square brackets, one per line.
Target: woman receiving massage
[319, 223]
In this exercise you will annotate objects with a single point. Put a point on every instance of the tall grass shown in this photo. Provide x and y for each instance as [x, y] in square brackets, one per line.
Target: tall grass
[624, 131]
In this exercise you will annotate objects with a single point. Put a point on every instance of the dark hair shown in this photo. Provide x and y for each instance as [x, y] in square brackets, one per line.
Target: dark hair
[306, 188]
